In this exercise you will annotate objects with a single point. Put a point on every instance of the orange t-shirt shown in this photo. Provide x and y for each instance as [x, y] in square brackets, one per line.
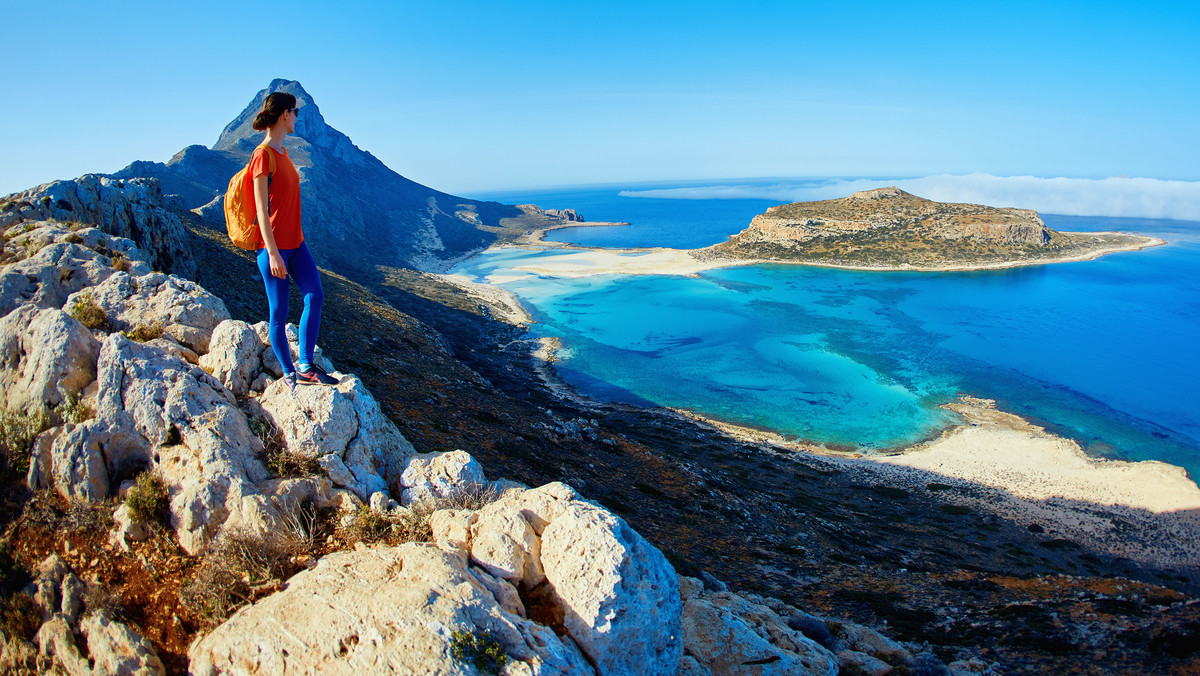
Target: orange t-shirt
[285, 195]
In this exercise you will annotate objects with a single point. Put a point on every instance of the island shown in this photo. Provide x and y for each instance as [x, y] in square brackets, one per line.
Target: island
[880, 229]
[890, 228]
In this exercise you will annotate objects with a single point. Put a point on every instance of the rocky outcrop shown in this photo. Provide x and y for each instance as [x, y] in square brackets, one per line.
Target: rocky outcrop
[133, 209]
[398, 611]
[124, 406]
[343, 429]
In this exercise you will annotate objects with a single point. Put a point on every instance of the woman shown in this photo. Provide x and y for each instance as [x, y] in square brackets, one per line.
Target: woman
[277, 202]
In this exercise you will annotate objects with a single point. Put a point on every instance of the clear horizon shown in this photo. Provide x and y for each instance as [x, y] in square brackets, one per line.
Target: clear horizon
[485, 99]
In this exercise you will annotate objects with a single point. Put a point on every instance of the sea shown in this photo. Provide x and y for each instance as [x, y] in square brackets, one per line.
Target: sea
[1105, 352]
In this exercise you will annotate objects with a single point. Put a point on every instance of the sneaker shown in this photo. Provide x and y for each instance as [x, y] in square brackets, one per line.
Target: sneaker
[289, 379]
[315, 376]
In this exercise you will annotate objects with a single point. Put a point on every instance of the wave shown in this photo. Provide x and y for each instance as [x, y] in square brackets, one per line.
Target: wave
[1118, 196]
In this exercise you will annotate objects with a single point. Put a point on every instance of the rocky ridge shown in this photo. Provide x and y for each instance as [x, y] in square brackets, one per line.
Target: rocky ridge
[138, 373]
[887, 227]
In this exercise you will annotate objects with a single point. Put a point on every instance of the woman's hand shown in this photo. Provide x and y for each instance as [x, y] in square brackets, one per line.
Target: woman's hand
[278, 268]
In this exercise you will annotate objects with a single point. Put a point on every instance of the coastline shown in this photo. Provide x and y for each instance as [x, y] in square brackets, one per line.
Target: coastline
[579, 261]
[992, 462]
[999, 463]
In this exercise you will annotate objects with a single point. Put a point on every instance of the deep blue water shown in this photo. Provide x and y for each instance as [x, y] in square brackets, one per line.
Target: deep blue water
[1103, 351]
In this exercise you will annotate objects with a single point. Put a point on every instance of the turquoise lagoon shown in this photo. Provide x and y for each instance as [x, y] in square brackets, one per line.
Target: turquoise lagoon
[1105, 352]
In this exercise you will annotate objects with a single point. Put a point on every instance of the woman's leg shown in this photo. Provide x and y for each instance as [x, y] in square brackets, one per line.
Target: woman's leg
[304, 270]
[277, 301]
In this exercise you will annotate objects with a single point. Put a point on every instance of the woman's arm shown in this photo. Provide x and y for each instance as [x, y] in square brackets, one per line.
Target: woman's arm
[261, 196]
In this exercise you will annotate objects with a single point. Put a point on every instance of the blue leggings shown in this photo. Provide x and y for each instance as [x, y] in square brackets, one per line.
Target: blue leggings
[301, 268]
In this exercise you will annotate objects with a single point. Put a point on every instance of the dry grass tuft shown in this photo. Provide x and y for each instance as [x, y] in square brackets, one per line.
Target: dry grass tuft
[145, 333]
[89, 313]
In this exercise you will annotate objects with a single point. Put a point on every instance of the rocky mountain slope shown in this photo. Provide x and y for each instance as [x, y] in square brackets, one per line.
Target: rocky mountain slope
[888, 227]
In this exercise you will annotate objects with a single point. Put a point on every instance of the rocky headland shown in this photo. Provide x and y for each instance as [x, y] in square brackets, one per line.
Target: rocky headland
[887, 228]
[168, 508]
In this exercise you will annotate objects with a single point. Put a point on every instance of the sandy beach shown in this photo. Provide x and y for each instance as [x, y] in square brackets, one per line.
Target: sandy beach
[996, 462]
[575, 261]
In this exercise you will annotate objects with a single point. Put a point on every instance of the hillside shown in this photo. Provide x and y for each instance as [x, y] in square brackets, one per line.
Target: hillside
[890, 228]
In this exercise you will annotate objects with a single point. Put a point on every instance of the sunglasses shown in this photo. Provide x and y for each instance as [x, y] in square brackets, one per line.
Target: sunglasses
[294, 111]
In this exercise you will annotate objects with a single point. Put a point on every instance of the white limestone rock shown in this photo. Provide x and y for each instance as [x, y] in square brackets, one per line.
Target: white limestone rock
[115, 648]
[451, 529]
[619, 595]
[45, 356]
[397, 608]
[56, 640]
[126, 528]
[233, 355]
[156, 410]
[132, 208]
[868, 641]
[727, 634]
[72, 597]
[47, 277]
[505, 545]
[343, 428]
[430, 476]
[185, 310]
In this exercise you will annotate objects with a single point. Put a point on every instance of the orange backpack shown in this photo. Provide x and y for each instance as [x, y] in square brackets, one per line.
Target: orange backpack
[241, 217]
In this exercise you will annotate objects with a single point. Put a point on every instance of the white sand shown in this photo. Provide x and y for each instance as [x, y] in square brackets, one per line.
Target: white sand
[998, 463]
[577, 261]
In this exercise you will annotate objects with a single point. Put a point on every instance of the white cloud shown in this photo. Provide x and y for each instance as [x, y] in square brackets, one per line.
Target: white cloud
[1118, 196]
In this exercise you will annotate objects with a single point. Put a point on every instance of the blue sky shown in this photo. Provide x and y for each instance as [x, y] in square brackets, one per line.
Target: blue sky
[467, 97]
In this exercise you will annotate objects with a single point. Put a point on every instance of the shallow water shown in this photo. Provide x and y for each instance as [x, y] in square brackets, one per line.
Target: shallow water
[1103, 351]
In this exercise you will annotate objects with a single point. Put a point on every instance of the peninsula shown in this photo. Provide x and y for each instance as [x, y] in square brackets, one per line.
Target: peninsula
[880, 229]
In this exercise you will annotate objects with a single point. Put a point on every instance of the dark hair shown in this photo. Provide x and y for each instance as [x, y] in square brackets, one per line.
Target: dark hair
[276, 104]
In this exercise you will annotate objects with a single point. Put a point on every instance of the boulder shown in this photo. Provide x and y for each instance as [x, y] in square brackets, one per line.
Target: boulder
[343, 428]
[432, 476]
[505, 545]
[115, 648]
[45, 356]
[619, 595]
[727, 634]
[233, 355]
[182, 307]
[55, 639]
[398, 610]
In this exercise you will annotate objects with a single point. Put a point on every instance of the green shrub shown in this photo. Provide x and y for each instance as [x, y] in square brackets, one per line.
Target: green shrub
[75, 410]
[480, 650]
[17, 432]
[89, 313]
[147, 499]
[120, 263]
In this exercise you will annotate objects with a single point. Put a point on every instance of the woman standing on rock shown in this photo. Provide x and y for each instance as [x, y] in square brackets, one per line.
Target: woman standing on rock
[277, 203]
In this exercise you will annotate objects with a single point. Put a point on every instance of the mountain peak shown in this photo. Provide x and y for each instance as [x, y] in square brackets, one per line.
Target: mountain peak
[310, 125]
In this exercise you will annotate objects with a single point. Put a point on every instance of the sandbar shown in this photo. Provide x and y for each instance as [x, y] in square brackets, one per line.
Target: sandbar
[577, 261]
